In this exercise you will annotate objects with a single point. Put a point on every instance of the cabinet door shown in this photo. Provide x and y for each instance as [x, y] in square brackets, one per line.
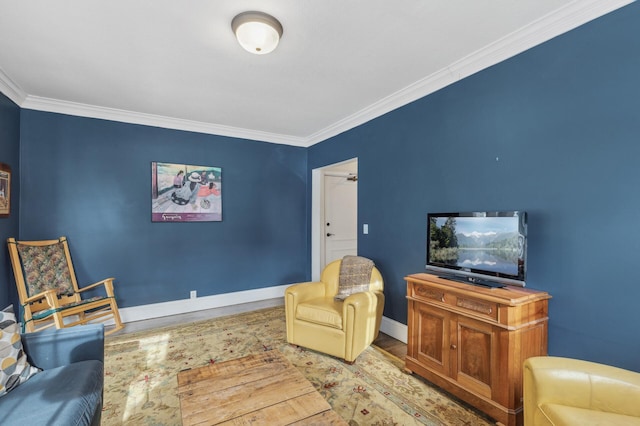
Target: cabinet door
[431, 337]
[475, 344]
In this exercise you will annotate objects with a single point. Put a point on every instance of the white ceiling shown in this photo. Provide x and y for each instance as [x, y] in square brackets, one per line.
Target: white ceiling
[340, 63]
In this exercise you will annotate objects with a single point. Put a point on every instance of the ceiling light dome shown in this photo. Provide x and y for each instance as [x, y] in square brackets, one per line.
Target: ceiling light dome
[257, 32]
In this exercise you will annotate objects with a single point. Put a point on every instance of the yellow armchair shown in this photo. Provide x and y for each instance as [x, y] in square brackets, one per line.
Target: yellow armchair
[563, 391]
[340, 328]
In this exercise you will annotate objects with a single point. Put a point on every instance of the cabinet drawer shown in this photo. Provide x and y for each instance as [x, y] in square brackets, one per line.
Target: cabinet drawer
[423, 292]
[456, 302]
[477, 307]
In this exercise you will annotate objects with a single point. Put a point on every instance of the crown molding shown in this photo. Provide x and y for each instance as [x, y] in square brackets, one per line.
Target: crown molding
[11, 89]
[544, 29]
[558, 22]
[552, 25]
[113, 114]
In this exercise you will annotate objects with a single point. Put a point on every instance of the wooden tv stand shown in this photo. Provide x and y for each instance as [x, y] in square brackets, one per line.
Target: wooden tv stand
[472, 341]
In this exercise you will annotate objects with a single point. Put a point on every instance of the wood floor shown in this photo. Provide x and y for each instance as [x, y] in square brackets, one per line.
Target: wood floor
[383, 341]
[391, 345]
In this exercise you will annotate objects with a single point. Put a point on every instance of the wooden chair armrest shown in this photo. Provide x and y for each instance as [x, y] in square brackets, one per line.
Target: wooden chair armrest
[107, 283]
[49, 295]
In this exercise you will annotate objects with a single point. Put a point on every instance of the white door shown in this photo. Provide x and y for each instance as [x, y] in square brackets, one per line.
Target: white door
[340, 217]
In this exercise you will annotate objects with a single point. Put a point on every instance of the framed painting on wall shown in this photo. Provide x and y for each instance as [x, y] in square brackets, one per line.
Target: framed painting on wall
[185, 193]
[5, 190]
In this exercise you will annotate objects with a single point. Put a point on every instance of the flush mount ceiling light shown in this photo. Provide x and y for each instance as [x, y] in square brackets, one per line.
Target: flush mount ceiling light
[257, 32]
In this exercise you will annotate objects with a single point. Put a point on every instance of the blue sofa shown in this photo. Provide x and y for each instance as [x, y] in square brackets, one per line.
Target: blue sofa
[69, 389]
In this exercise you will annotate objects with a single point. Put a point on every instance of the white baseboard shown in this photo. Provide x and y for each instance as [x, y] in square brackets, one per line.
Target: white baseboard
[183, 306]
[395, 329]
[388, 326]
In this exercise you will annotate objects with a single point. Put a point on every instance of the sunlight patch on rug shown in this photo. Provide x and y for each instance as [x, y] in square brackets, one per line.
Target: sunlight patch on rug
[141, 370]
[154, 348]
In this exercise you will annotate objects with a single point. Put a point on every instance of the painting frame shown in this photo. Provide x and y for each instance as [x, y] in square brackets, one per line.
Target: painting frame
[185, 193]
[5, 190]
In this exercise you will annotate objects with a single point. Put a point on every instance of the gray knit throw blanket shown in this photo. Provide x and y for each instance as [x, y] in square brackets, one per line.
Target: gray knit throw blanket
[355, 275]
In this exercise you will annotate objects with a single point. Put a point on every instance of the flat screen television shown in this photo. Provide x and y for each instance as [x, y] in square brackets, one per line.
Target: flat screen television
[483, 248]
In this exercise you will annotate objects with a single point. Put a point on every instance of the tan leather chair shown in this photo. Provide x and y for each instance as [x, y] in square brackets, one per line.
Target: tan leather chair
[563, 391]
[340, 328]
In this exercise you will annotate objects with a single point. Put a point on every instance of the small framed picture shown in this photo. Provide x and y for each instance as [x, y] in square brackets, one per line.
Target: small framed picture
[5, 190]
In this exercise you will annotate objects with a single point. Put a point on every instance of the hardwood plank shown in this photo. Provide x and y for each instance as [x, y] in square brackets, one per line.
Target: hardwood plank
[231, 367]
[239, 400]
[326, 418]
[261, 388]
[232, 373]
[286, 412]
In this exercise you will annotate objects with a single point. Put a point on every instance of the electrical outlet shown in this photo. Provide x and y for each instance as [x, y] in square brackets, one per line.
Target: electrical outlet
[193, 294]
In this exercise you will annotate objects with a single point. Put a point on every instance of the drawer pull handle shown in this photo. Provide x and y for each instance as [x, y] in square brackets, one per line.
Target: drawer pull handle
[454, 347]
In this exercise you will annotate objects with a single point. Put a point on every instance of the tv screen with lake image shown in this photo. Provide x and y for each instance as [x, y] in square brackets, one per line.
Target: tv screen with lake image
[489, 245]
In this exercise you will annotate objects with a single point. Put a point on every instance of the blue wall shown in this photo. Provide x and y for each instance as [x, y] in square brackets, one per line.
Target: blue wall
[90, 180]
[554, 131]
[9, 154]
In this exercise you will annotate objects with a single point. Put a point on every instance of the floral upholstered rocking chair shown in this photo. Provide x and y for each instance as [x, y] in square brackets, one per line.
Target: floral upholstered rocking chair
[48, 290]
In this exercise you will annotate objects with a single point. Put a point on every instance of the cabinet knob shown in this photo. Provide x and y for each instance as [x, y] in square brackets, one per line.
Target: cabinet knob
[454, 347]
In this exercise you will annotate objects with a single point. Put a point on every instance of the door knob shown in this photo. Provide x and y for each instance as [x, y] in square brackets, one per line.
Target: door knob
[454, 347]
[329, 234]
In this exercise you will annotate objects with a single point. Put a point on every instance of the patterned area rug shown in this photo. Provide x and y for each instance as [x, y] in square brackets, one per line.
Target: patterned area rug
[141, 369]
